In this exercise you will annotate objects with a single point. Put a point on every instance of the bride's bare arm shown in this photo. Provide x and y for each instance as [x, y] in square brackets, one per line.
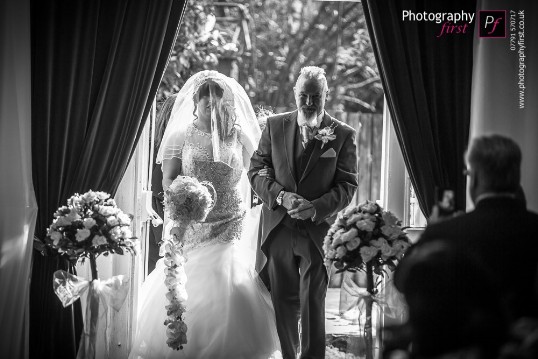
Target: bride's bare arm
[171, 169]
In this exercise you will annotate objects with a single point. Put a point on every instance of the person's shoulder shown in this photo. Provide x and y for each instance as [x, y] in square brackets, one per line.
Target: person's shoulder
[446, 228]
[342, 127]
[277, 117]
[532, 217]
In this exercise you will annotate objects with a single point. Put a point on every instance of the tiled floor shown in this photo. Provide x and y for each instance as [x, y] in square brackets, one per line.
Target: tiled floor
[343, 331]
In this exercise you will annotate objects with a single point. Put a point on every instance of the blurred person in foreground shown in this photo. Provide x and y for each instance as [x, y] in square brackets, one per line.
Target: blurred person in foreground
[499, 233]
[454, 310]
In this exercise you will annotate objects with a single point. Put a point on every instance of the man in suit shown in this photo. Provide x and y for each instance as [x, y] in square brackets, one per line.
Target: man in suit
[315, 176]
[500, 233]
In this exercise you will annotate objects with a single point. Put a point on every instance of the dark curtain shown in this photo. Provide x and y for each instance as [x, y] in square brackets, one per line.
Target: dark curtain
[96, 66]
[427, 83]
[157, 198]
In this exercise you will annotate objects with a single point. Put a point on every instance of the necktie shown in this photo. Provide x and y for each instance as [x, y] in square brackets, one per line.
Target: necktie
[307, 134]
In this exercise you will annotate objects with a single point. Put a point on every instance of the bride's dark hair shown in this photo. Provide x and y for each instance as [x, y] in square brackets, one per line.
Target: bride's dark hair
[203, 90]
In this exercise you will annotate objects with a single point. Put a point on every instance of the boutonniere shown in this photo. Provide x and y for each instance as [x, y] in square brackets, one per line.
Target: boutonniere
[326, 134]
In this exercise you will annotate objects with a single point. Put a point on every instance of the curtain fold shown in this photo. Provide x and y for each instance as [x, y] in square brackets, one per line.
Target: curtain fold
[18, 212]
[427, 83]
[96, 66]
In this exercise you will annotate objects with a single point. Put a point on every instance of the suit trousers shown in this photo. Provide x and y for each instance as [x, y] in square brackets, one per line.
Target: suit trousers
[298, 281]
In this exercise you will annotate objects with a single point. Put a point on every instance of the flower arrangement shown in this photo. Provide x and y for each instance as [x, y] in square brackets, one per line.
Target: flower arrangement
[325, 135]
[186, 201]
[91, 224]
[366, 238]
[365, 234]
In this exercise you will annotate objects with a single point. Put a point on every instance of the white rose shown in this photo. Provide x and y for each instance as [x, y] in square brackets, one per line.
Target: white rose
[112, 221]
[116, 234]
[389, 218]
[73, 215]
[353, 244]
[354, 218]
[388, 252]
[99, 240]
[352, 233]
[56, 237]
[89, 196]
[365, 225]
[102, 195]
[349, 211]
[111, 202]
[367, 253]
[400, 247]
[391, 231]
[89, 222]
[82, 234]
[338, 241]
[126, 232]
[108, 211]
[378, 243]
[62, 221]
[327, 243]
[331, 254]
[124, 218]
[369, 207]
[341, 251]
[368, 216]
[75, 201]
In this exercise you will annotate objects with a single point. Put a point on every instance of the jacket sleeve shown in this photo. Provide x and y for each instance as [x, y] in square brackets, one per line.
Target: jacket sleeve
[345, 182]
[264, 187]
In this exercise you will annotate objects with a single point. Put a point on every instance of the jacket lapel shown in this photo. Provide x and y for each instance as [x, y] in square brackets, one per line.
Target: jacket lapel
[290, 128]
[317, 148]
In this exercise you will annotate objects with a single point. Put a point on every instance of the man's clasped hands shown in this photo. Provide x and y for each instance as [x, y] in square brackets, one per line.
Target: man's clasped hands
[297, 206]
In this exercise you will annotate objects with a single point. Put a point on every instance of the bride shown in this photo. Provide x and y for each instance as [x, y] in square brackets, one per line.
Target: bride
[211, 136]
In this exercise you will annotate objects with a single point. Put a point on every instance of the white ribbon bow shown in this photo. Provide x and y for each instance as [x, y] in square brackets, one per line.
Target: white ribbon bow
[101, 295]
[364, 298]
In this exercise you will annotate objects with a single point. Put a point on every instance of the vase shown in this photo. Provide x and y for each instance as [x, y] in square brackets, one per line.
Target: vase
[372, 343]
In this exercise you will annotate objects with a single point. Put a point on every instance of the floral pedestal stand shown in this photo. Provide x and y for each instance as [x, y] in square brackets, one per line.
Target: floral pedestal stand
[369, 302]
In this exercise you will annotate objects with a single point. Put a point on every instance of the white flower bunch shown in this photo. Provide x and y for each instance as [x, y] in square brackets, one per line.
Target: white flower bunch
[365, 234]
[91, 223]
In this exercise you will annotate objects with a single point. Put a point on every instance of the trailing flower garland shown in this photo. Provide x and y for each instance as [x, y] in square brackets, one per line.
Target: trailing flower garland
[186, 201]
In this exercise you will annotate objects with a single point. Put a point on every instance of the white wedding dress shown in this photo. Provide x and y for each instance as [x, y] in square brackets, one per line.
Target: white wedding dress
[229, 312]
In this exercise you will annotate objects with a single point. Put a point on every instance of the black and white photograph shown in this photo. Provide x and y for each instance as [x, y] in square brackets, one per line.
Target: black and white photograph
[269, 179]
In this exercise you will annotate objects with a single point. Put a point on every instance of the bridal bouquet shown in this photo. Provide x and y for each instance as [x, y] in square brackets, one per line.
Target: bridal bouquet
[185, 201]
[365, 234]
[91, 224]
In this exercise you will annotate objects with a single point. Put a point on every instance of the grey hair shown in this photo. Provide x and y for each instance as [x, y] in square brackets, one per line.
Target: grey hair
[498, 160]
[313, 72]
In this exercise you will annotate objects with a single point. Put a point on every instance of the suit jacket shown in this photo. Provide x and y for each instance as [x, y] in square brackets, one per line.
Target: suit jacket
[503, 235]
[329, 180]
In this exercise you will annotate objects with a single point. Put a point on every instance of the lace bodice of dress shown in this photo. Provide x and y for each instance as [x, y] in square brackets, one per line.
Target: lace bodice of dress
[224, 222]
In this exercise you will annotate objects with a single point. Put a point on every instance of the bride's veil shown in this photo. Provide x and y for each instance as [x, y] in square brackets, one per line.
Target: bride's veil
[232, 111]
[237, 121]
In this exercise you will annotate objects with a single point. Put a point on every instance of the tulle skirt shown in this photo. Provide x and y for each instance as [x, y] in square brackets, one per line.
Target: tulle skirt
[229, 312]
